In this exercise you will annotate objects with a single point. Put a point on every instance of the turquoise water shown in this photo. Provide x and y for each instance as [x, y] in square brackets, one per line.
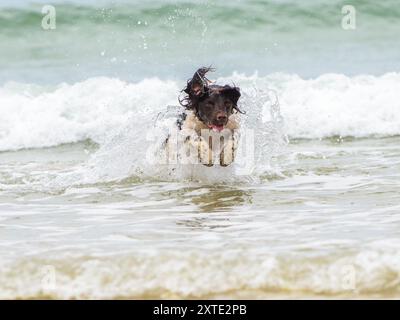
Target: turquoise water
[136, 39]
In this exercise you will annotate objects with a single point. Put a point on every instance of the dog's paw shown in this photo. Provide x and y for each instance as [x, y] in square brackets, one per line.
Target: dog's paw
[201, 150]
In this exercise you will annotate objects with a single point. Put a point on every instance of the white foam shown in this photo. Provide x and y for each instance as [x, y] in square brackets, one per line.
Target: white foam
[195, 273]
[336, 105]
[33, 116]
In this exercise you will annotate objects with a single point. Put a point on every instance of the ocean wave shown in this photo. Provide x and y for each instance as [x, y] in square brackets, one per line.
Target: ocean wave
[138, 39]
[33, 116]
[200, 274]
[255, 13]
[336, 105]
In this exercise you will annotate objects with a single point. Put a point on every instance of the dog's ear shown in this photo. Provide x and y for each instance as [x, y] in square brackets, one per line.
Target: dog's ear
[198, 85]
[232, 92]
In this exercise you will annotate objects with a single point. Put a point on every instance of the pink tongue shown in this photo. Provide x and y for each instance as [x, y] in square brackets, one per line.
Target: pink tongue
[216, 128]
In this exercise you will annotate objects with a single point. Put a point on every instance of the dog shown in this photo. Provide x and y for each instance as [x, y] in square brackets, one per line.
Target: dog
[210, 124]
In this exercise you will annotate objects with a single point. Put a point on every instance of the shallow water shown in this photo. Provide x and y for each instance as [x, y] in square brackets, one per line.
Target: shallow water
[326, 225]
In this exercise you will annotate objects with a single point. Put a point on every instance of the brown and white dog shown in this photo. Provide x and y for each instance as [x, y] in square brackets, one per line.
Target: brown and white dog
[210, 123]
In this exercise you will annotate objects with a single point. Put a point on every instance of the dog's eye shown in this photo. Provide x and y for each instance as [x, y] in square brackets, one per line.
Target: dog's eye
[228, 103]
[210, 104]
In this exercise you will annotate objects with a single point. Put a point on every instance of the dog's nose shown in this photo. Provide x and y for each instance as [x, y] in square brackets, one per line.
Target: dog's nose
[221, 117]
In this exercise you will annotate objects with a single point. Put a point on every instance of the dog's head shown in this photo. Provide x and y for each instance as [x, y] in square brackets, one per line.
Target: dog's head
[212, 104]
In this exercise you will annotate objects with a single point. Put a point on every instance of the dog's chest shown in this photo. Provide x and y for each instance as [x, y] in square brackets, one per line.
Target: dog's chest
[191, 122]
[209, 147]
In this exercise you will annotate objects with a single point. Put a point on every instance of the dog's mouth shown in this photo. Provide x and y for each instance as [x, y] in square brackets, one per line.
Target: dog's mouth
[216, 127]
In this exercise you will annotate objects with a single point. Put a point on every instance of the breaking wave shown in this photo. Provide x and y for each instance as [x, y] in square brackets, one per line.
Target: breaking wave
[35, 116]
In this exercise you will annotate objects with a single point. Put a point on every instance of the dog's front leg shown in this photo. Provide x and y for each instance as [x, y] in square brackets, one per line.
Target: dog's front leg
[200, 147]
[228, 152]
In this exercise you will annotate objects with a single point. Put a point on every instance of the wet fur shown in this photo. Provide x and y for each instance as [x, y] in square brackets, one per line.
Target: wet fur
[204, 148]
[223, 113]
